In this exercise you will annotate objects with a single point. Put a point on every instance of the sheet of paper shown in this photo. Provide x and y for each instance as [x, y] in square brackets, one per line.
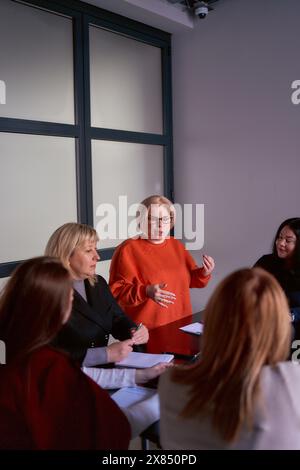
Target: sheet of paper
[128, 396]
[141, 360]
[195, 328]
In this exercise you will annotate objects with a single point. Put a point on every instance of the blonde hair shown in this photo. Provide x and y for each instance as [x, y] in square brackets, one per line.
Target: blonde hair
[247, 326]
[66, 238]
[155, 199]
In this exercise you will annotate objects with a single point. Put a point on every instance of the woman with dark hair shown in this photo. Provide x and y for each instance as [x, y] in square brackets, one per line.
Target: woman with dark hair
[284, 263]
[46, 402]
[242, 393]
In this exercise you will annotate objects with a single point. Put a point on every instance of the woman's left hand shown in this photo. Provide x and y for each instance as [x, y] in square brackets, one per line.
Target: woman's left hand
[208, 265]
[144, 375]
[141, 335]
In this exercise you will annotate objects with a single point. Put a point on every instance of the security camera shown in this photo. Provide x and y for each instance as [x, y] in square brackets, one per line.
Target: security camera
[201, 9]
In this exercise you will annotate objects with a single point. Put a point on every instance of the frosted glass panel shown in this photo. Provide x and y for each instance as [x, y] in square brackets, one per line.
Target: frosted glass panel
[126, 89]
[37, 192]
[123, 174]
[36, 57]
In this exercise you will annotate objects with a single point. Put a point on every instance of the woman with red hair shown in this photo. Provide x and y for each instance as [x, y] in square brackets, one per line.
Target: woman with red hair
[46, 401]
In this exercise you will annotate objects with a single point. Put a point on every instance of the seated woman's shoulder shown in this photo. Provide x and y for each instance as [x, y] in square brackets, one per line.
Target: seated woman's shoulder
[165, 380]
[57, 364]
[43, 359]
[264, 261]
[100, 280]
[51, 355]
[286, 372]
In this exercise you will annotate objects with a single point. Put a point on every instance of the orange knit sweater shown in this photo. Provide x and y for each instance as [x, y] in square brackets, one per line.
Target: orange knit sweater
[137, 263]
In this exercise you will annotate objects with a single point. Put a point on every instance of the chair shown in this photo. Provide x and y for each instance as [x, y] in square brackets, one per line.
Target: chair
[151, 434]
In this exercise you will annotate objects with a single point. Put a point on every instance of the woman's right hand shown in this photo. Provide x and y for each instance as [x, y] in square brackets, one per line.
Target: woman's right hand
[159, 295]
[119, 350]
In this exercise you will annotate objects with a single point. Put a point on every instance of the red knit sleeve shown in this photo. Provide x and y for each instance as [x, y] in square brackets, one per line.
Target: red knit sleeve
[124, 281]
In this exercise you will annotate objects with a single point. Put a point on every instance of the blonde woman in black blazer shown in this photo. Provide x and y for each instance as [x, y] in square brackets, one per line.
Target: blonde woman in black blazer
[95, 313]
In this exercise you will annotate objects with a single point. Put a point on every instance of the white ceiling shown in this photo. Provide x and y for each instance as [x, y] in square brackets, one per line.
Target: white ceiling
[158, 13]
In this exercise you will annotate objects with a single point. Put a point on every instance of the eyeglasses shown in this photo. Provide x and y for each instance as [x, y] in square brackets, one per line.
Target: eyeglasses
[288, 241]
[156, 220]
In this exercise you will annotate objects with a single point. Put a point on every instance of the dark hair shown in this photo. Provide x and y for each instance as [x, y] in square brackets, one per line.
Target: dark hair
[32, 305]
[294, 225]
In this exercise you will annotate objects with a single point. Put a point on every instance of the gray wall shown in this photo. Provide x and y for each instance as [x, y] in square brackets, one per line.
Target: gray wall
[236, 131]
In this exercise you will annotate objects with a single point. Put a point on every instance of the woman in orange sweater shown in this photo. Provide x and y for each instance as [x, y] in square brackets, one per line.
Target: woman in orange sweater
[150, 276]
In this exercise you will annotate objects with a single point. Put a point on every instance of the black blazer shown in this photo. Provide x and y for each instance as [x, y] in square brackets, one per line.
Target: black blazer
[91, 322]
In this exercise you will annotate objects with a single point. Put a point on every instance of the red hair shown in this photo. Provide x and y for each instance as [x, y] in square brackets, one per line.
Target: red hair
[33, 305]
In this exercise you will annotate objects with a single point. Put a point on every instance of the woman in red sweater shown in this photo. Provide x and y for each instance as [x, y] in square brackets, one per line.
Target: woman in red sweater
[150, 276]
[46, 402]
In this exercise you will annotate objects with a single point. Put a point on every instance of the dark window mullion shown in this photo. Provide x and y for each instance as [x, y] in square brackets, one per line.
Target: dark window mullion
[106, 253]
[81, 177]
[127, 136]
[87, 120]
[127, 32]
[26, 126]
[7, 268]
[112, 20]
[167, 121]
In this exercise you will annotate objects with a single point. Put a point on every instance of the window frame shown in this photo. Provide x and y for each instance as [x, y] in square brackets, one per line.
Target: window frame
[83, 15]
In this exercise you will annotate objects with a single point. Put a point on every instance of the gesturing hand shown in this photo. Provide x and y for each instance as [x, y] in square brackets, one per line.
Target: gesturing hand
[208, 265]
[159, 295]
[119, 350]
